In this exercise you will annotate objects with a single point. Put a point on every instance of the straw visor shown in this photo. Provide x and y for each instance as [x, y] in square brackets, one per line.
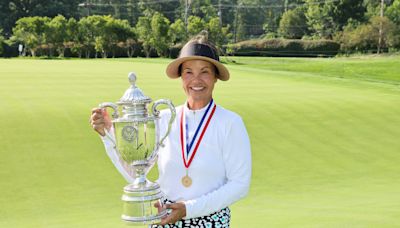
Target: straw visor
[195, 51]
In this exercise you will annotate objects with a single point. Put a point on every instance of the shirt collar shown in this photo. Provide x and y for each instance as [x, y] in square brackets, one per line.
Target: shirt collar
[202, 110]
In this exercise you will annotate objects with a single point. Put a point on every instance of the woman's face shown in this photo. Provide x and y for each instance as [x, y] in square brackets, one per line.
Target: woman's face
[198, 79]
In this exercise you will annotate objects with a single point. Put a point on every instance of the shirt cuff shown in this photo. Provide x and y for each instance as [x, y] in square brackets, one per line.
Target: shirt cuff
[189, 204]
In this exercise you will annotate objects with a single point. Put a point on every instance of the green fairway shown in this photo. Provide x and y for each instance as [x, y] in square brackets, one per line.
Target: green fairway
[325, 136]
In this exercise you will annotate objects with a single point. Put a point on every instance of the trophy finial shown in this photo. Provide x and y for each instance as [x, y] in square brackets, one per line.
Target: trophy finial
[133, 100]
[132, 78]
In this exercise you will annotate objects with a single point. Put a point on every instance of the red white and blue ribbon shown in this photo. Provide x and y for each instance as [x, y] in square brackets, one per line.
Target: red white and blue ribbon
[189, 148]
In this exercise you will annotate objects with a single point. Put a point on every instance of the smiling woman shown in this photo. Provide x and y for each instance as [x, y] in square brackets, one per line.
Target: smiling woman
[205, 165]
[198, 79]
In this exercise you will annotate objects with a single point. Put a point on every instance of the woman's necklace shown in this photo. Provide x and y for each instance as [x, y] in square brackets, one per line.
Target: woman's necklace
[188, 147]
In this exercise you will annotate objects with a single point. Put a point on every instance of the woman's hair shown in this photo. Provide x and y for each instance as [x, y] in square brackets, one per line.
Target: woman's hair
[201, 38]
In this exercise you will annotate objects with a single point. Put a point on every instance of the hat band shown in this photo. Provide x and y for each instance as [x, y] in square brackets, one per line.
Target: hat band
[193, 49]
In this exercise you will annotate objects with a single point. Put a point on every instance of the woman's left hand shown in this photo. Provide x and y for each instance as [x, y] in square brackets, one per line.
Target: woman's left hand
[178, 211]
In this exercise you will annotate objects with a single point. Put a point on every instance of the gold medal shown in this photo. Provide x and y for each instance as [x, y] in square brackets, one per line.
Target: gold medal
[186, 181]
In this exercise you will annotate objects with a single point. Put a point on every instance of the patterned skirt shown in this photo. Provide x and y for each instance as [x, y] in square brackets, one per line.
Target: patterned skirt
[217, 219]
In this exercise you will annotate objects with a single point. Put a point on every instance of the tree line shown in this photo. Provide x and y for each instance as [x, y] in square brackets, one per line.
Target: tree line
[105, 35]
[154, 27]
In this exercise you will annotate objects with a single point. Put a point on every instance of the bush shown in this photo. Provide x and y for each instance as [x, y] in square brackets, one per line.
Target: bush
[285, 47]
[9, 49]
[365, 37]
[293, 24]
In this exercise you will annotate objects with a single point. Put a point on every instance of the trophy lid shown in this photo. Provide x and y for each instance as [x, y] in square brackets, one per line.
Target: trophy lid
[133, 95]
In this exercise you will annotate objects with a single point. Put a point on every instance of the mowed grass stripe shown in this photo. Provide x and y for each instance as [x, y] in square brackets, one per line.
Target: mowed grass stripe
[368, 68]
[360, 124]
[358, 128]
[56, 179]
[325, 149]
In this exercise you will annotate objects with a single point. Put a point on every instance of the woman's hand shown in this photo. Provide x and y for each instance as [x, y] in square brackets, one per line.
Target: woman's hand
[178, 211]
[100, 120]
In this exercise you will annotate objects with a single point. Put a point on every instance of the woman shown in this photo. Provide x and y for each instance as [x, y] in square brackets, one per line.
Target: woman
[205, 165]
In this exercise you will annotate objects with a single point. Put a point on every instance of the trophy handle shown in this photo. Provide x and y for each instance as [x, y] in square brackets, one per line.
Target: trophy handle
[110, 105]
[157, 114]
[114, 115]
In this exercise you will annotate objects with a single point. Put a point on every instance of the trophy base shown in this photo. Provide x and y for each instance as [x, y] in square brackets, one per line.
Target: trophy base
[138, 204]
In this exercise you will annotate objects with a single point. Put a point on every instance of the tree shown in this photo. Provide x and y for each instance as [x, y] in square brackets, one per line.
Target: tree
[250, 18]
[159, 34]
[56, 34]
[74, 37]
[319, 19]
[170, 9]
[228, 14]
[99, 46]
[129, 44]
[365, 37]
[372, 8]
[143, 30]
[108, 32]
[390, 32]
[203, 9]
[218, 34]
[177, 32]
[12, 10]
[293, 24]
[116, 31]
[130, 11]
[195, 25]
[393, 12]
[327, 17]
[272, 18]
[343, 10]
[30, 31]
[90, 28]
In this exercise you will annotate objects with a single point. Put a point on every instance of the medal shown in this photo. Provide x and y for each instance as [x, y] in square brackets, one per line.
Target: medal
[189, 155]
[186, 180]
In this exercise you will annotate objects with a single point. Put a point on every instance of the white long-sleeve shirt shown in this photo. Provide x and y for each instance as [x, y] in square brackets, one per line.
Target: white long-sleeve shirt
[220, 170]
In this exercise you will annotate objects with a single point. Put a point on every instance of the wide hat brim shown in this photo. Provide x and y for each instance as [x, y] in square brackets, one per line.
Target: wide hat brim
[194, 52]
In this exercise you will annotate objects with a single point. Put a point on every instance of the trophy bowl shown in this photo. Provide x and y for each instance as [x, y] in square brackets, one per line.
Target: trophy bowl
[136, 136]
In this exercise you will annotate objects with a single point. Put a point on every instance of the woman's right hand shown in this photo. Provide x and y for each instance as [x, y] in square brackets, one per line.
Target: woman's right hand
[100, 120]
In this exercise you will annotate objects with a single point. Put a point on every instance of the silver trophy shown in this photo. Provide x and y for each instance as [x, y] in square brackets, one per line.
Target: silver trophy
[136, 136]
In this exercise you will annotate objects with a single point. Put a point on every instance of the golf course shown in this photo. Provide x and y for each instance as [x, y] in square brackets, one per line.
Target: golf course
[324, 132]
